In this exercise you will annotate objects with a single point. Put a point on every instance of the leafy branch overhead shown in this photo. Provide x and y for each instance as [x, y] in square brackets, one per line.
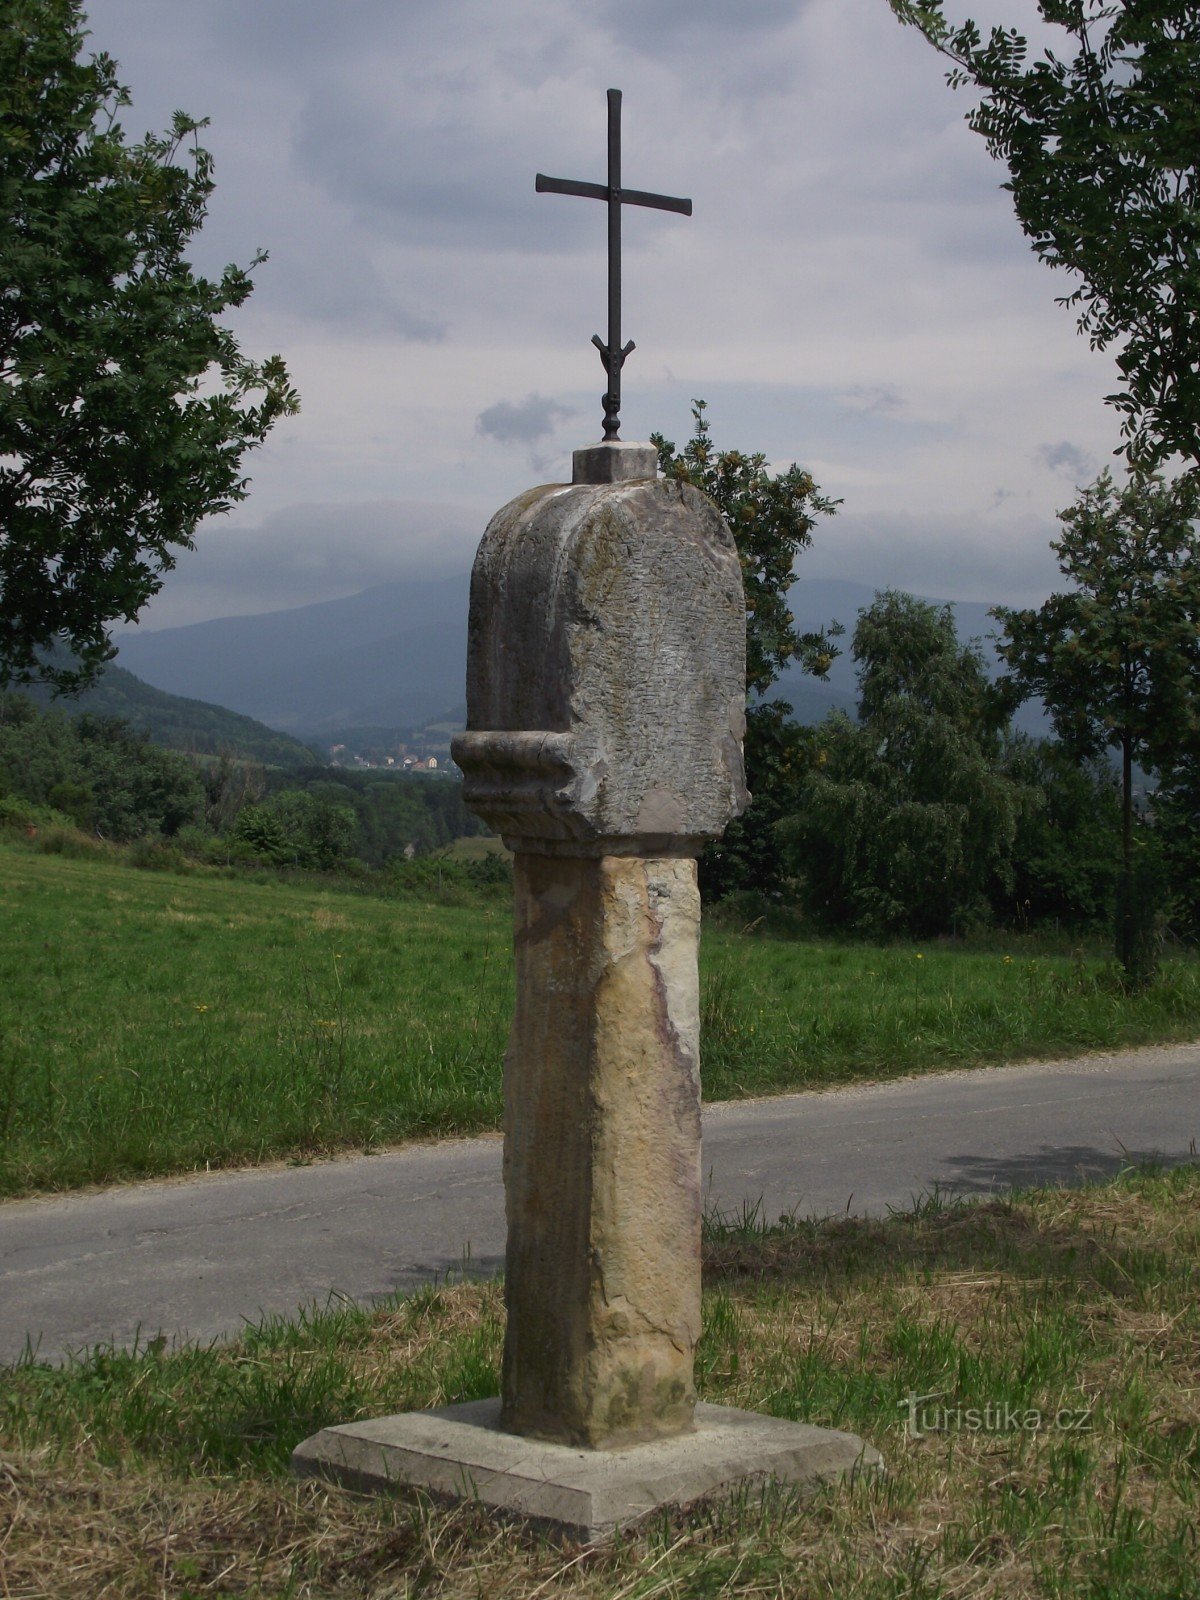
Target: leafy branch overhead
[126, 408]
[1101, 138]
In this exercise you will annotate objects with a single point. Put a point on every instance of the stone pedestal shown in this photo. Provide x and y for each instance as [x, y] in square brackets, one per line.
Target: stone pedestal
[605, 707]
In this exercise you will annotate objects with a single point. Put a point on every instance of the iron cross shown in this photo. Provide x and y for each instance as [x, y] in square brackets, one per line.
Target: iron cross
[612, 354]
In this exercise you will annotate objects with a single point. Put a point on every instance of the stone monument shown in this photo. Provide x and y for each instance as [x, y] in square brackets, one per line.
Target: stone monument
[606, 706]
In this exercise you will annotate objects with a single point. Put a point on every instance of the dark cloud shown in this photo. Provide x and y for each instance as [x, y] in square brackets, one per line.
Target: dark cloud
[341, 288]
[522, 421]
[710, 34]
[1068, 460]
[675, 18]
[305, 553]
[453, 180]
[882, 397]
[278, 36]
[853, 291]
[998, 556]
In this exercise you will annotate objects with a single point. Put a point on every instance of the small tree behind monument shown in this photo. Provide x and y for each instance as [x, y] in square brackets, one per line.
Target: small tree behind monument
[772, 517]
[907, 817]
[1116, 659]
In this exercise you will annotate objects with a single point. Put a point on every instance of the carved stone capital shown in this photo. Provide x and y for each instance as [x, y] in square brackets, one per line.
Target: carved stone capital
[606, 672]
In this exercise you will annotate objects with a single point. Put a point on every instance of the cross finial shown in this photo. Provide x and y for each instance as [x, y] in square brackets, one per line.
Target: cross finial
[613, 353]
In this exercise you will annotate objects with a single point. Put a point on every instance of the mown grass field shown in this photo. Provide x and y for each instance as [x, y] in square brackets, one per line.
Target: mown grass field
[155, 1022]
[1068, 1321]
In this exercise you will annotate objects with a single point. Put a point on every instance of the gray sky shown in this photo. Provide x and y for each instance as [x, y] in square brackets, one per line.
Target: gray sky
[852, 292]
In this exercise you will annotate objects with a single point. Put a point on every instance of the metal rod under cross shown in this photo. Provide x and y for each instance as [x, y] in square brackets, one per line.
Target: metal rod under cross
[613, 354]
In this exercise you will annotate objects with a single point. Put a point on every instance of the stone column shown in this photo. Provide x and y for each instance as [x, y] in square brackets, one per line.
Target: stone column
[602, 1150]
[605, 684]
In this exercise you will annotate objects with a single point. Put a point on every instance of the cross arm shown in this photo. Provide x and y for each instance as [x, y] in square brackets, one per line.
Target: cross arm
[590, 191]
[599, 191]
[660, 202]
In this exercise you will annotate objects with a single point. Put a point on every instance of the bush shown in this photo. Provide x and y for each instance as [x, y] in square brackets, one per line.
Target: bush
[296, 828]
[62, 839]
[490, 871]
[19, 816]
[152, 855]
[76, 801]
[455, 881]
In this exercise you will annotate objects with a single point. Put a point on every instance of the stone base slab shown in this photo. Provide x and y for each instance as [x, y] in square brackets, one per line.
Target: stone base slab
[460, 1453]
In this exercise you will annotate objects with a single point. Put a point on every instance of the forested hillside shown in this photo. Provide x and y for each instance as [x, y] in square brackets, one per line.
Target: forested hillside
[177, 722]
[109, 780]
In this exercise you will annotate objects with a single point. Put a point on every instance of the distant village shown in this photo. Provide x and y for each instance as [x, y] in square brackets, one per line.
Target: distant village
[402, 760]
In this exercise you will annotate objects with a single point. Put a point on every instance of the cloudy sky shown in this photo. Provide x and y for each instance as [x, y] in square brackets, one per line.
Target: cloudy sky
[852, 291]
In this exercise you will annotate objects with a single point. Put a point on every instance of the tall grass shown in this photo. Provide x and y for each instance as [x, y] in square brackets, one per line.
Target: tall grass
[161, 1022]
[153, 1023]
[782, 1014]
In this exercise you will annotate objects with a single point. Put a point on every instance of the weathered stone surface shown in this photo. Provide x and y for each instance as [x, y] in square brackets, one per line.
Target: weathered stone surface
[615, 461]
[602, 1151]
[605, 701]
[461, 1453]
[606, 672]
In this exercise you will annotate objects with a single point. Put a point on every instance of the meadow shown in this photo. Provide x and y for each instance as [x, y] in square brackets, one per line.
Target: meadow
[163, 1021]
[1054, 1336]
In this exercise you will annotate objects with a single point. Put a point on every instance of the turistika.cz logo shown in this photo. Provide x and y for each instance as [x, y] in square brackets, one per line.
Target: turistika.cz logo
[925, 1415]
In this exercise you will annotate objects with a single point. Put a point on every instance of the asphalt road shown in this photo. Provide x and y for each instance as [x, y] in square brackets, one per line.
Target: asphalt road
[200, 1255]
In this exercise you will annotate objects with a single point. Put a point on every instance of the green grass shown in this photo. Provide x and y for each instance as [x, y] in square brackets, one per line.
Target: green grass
[155, 1022]
[782, 1014]
[164, 1472]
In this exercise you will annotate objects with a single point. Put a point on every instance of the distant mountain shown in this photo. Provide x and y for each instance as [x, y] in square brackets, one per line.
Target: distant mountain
[394, 657]
[178, 723]
[391, 656]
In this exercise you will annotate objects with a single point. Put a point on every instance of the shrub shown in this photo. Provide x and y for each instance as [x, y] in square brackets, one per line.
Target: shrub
[19, 816]
[152, 855]
[62, 839]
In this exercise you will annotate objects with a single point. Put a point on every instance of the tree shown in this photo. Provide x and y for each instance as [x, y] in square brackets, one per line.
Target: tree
[298, 828]
[1101, 142]
[1176, 807]
[1116, 660]
[1067, 846]
[97, 770]
[138, 788]
[125, 407]
[772, 517]
[37, 751]
[908, 817]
